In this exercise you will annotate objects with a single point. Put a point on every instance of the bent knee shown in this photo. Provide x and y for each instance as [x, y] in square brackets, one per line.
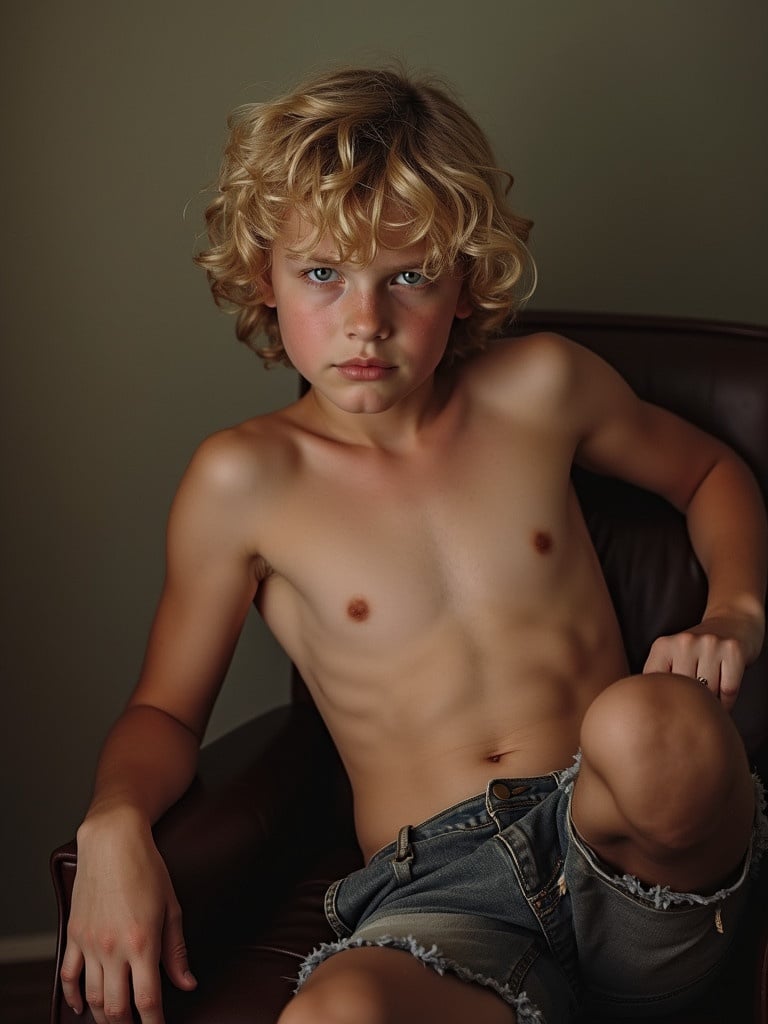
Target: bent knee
[669, 754]
[657, 718]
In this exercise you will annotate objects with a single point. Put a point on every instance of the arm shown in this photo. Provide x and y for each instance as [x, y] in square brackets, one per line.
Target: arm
[124, 912]
[125, 919]
[618, 434]
[726, 524]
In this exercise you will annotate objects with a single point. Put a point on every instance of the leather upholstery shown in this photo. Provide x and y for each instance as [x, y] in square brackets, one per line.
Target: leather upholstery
[251, 880]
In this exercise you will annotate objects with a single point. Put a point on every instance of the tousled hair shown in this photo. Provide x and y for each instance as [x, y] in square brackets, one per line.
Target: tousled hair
[361, 153]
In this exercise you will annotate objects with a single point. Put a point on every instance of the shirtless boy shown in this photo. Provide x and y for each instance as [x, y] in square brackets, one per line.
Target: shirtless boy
[410, 534]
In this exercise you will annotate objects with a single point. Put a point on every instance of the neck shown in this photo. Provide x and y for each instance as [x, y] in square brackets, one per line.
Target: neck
[397, 429]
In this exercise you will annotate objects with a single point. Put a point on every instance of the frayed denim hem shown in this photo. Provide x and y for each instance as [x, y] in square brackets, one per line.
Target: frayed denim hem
[526, 1012]
[661, 897]
[566, 778]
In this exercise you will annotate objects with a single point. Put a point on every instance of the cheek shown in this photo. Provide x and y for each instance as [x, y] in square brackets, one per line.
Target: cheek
[302, 333]
[431, 328]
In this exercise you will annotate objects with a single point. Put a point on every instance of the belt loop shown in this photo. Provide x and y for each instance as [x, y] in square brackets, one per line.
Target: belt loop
[401, 862]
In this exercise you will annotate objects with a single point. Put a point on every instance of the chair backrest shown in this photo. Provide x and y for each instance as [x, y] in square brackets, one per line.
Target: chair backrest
[716, 376]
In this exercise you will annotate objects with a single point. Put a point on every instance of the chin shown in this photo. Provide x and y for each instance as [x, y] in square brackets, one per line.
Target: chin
[363, 404]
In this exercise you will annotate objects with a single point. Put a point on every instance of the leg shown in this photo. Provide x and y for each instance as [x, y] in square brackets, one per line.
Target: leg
[664, 792]
[372, 985]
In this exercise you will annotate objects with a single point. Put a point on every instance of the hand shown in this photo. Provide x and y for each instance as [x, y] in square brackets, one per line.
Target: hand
[717, 650]
[125, 921]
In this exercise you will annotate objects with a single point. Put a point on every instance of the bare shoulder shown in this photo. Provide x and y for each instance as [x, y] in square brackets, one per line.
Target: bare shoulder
[241, 460]
[538, 370]
[233, 485]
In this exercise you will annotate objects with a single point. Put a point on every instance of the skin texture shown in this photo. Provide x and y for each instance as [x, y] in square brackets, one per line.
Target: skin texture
[408, 530]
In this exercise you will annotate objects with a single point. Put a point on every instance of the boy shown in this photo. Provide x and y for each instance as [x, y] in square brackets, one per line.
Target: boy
[410, 534]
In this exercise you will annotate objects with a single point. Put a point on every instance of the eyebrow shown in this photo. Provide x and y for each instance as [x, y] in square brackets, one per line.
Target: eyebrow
[322, 259]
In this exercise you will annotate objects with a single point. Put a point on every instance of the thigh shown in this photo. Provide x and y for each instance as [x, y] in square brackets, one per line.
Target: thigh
[649, 949]
[373, 985]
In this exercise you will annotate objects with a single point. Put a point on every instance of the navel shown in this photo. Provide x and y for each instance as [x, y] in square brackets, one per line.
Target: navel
[542, 542]
[358, 609]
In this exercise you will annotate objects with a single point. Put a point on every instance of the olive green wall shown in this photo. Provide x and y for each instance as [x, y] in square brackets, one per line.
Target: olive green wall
[637, 137]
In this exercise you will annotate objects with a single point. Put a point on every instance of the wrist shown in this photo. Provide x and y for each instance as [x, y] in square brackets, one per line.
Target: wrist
[743, 621]
[112, 817]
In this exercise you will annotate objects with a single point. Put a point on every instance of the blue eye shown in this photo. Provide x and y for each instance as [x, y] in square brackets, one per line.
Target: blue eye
[321, 275]
[410, 277]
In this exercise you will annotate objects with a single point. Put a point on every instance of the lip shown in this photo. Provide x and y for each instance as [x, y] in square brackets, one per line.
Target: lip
[364, 369]
[367, 362]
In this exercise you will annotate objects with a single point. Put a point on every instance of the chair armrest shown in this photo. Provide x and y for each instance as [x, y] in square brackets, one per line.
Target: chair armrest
[239, 815]
[236, 820]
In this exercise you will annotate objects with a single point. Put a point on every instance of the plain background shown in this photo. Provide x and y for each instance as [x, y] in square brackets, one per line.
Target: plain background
[636, 132]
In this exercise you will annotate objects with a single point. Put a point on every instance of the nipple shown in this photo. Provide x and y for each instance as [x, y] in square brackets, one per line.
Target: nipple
[542, 542]
[358, 609]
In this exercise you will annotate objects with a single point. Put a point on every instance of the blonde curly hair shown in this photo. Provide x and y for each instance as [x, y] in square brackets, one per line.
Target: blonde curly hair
[362, 152]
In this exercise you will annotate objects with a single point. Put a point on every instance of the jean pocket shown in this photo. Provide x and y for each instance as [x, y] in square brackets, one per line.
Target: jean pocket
[330, 906]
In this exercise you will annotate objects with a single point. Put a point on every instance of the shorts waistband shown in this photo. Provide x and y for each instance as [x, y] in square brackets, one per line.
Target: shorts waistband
[478, 811]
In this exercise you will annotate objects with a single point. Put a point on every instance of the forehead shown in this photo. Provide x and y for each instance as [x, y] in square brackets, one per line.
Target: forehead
[299, 237]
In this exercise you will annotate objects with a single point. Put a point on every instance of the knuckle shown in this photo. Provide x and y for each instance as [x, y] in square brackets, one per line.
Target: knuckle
[177, 953]
[76, 935]
[95, 999]
[731, 647]
[146, 1002]
[116, 1013]
[137, 941]
[68, 974]
[106, 942]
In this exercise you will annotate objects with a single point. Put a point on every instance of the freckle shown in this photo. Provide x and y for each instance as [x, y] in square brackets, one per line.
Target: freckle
[542, 542]
[358, 609]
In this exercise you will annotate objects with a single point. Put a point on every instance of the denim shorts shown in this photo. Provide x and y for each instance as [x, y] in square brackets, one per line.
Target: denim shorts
[500, 890]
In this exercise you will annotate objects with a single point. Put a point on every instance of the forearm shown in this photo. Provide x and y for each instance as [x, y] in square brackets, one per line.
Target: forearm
[727, 525]
[147, 762]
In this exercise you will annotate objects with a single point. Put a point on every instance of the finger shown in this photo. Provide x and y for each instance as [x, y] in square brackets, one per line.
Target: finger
[731, 672]
[174, 951]
[708, 674]
[94, 990]
[71, 970]
[685, 661]
[117, 995]
[676, 654]
[147, 992]
[658, 659]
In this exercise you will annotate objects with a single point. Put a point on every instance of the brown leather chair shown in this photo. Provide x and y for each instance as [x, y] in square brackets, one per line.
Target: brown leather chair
[266, 827]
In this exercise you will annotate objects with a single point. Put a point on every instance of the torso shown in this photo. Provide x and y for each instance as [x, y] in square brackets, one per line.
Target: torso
[444, 605]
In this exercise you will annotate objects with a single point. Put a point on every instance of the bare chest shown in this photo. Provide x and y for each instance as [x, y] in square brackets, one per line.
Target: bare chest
[377, 548]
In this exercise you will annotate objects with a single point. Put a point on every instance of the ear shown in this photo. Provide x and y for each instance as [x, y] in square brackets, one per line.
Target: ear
[267, 291]
[463, 304]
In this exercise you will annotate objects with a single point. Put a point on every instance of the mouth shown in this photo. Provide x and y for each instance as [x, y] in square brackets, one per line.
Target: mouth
[364, 369]
[379, 363]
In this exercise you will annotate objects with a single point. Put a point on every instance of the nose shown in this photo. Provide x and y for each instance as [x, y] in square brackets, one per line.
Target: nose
[366, 316]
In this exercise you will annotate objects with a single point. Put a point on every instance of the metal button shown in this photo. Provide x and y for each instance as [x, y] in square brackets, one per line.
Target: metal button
[501, 791]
